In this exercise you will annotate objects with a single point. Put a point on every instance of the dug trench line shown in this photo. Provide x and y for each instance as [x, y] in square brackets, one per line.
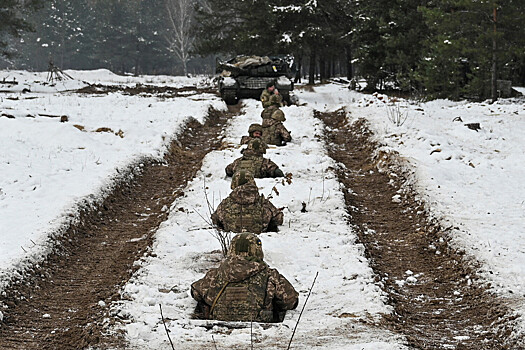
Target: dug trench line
[63, 303]
[437, 302]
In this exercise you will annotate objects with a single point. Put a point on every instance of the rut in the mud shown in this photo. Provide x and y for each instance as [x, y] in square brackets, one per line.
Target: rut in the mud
[62, 303]
[441, 305]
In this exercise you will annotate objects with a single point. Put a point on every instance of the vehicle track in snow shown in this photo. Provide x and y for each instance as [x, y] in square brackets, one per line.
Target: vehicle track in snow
[438, 302]
[63, 303]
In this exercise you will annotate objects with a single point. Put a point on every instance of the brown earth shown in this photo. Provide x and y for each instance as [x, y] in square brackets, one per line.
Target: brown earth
[64, 302]
[445, 306]
[146, 90]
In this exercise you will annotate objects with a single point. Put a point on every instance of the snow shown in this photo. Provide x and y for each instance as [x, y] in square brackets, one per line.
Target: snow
[472, 181]
[50, 168]
[37, 81]
[519, 89]
[344, 296]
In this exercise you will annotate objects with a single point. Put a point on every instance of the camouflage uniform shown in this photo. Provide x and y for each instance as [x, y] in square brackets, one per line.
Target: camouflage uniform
[253, 162]
[267, 112]
[274, 132]
[258, 166]
[245, 210]
[248, 140]
[243, 287]
[271, 99]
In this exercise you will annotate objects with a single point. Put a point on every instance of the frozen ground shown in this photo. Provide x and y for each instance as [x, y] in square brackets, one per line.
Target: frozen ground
[345, 303]
[472, 180]
[49, 167]
[37, 81]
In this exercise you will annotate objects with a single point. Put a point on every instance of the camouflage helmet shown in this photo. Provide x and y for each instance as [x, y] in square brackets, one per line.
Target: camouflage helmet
[255, 127]
[246, 245]
[240, 178]
[278, 115]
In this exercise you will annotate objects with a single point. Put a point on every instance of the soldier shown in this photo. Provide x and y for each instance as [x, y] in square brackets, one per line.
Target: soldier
[254, 132]
[245, 210]
[274, 132]
[252, 161]
[270, 96]
[243, 287]
[267, 112]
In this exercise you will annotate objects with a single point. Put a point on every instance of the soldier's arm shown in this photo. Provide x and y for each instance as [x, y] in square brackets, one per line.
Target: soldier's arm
[265, 99]
[285, 297]
[245, 140]
[199, 289]
[230, 169]
[270, 169]
[277, 215]
[285, 134]
[218, 216]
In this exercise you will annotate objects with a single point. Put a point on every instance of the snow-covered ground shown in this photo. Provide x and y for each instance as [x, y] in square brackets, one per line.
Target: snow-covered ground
[49, 167]
[38, 81]
[345, 302]
[472, 180]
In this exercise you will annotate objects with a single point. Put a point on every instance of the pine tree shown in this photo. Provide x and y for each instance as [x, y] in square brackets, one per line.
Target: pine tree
[12, 21]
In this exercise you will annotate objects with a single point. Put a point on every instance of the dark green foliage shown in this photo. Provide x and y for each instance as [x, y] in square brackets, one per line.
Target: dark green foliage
[460, 50]
[438, 48]
[13, 22]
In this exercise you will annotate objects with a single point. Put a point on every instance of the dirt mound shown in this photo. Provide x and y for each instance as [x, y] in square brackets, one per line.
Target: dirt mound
[64, 302]
[146, 90]
[437, 301]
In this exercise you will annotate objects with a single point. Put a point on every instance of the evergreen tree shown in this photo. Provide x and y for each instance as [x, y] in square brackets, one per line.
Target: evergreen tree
[12, 22]
[470, 40]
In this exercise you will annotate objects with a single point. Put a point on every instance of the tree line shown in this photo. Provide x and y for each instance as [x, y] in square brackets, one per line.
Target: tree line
[447, 48]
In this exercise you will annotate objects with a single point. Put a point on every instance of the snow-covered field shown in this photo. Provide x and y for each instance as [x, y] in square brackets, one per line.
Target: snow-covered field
[344, 299]
[49, 167]
[471, 180]
[38, 81]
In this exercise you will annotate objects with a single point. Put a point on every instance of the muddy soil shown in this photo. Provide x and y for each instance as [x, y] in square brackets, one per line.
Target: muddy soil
[63, 303]
[146, 90]
[437, 301]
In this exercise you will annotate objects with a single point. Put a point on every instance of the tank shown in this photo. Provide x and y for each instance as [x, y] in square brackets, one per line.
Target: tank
[247, 76]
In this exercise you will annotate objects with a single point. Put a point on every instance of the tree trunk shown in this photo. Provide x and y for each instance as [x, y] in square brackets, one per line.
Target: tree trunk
[349, 66]
[494, 89]
[299, 68]
[322, 68]
[311, 68]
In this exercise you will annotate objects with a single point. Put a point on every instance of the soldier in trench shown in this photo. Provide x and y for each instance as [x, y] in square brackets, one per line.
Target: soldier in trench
[253, 162]
[245, 210]
[244, 287]
[274, 132]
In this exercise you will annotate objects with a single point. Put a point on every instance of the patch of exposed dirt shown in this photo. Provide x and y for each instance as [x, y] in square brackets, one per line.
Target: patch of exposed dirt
[63, 303]
[146, 90]
[438, 302]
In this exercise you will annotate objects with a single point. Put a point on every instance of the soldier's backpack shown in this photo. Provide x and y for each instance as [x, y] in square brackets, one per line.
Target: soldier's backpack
[242, 301]
[245, 217]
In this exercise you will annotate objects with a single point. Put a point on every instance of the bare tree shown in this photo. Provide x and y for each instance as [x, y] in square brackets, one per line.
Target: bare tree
[180, 37]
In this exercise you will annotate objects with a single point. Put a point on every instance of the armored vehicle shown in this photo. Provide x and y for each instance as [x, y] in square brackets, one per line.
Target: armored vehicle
[247, 76]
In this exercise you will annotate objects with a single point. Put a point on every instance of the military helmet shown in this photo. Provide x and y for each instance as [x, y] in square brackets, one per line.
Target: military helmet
[246, 245]
[241, 178]
[255, 127]
[278, 115]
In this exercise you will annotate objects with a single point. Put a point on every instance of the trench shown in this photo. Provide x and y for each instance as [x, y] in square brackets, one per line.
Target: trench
[438, 301]
[63, 302]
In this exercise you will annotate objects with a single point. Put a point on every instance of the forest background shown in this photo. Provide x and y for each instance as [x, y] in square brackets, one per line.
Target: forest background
[436, 49]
